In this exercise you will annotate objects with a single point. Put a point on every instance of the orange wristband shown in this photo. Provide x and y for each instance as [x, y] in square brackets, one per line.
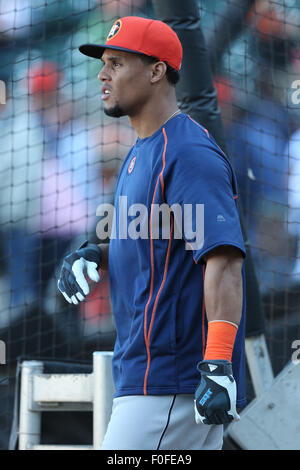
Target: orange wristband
[220, 340]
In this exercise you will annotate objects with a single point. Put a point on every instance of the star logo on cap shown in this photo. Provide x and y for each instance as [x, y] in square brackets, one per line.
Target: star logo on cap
[115, 29]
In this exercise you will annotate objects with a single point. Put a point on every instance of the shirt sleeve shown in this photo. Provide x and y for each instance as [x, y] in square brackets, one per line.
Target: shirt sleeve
[201, 190]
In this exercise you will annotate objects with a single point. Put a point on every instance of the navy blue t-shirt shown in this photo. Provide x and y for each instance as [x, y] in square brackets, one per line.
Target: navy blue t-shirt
[177, 186]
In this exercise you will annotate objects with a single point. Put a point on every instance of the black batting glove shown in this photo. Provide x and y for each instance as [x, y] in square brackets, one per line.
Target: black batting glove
[72, 282]
[215, 396]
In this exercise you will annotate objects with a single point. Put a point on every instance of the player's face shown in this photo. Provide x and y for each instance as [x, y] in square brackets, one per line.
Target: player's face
[125, 83]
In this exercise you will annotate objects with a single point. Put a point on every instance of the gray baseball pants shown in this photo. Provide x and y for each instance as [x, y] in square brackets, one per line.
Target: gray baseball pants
[164, 422]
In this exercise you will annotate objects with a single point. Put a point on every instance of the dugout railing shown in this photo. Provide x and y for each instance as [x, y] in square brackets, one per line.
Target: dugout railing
[260, 426]
[40, 392]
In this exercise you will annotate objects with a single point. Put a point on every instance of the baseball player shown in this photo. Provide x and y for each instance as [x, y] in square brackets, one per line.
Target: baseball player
[178, 297]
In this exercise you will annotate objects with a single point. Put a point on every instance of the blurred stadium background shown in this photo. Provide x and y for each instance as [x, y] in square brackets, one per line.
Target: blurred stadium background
[60, 155]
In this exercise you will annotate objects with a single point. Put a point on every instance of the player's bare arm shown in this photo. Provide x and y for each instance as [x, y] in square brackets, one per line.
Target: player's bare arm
[223, 285]
[223, 293]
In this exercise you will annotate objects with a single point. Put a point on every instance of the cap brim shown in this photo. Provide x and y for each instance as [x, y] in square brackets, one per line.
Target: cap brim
[96, 50]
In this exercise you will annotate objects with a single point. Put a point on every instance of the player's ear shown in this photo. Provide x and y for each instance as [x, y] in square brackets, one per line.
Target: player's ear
[158, 71]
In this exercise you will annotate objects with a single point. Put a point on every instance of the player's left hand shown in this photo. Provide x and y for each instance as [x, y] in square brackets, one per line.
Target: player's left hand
[72, 282]
[215, 396]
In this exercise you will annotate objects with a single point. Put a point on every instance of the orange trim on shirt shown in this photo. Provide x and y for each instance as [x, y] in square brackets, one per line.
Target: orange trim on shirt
[148, 334]
[151, 286]
[155, 307]
[203, 315]
[199, 125]
[161, 175]
[192, 251]
[163, 282]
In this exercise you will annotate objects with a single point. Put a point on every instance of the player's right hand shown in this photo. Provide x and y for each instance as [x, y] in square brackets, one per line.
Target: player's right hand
[215, 397]
[72, 282]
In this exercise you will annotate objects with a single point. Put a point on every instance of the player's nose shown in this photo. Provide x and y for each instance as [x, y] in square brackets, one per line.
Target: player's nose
[103, 75]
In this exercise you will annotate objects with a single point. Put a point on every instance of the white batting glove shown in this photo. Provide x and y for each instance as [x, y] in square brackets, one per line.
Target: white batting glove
[72, 282]
[215, 396]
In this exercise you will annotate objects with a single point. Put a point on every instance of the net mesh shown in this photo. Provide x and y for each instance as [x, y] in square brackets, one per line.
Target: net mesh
[60, 157]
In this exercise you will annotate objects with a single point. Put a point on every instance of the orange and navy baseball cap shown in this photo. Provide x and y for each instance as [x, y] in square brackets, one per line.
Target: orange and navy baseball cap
[141, 36]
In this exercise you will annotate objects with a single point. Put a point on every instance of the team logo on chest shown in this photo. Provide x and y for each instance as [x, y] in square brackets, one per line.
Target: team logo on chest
[131, 165]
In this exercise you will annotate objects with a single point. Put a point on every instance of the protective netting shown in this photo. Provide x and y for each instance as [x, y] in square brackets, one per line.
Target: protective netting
[60, 156]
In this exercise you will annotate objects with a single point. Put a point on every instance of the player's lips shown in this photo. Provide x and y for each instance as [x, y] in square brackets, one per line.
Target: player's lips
[105, 93]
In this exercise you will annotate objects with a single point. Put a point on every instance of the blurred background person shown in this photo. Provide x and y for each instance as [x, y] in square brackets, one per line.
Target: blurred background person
[50, 184]
[21, 156]
[293, 153]
[70, 188]
[256, 138]
[114, 140]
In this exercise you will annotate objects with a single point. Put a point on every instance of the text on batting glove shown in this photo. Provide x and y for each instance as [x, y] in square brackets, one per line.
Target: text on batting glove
[215, 396]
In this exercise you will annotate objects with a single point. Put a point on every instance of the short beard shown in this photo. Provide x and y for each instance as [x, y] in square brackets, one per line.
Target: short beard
[116, 111]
